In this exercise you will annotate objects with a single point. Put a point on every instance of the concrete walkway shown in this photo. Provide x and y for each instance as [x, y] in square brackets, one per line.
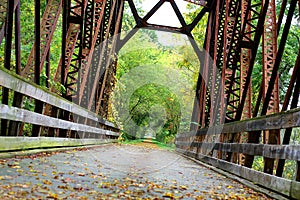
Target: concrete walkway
[115, 172]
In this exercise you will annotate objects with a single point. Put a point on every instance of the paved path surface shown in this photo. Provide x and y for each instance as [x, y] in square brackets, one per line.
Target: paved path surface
[115, 172]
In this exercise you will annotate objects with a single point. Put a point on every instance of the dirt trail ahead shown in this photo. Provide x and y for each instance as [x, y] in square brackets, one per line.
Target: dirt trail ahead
[115, 172]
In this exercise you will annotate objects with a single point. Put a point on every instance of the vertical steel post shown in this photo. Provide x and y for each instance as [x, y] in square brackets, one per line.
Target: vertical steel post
[7, 56]
[245, 62]
[65, 15]
[269, 55]
[47, 67]
[37, 71]
[18, 39]
[65, 26]
[14, 127]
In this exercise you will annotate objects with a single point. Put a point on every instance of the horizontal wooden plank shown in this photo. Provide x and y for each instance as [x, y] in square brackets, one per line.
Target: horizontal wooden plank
[21, 85]
[290, 152]
[17, 114]
[282, 120]
[23, 143]
[277, 184]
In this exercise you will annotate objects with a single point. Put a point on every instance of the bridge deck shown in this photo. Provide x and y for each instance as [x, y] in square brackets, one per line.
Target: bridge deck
[115, 172]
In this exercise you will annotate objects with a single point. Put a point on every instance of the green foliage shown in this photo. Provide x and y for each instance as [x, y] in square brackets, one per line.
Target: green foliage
[28, 104]
[154, 105]
[144, 112]
[289, 167]
[289, 170]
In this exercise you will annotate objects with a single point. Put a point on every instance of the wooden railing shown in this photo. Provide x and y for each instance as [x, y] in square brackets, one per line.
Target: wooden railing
[204, 145]
[91, 126]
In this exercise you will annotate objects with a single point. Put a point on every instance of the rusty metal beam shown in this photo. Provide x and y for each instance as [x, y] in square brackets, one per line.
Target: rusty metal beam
[254, 137]
[189, 28]
[269, 55]
[281, 15]
[76, 20]
[86, 76]
[178, 13]
[47, 28]
[231, 68]
[114, 30]
[279, 54]
[245, 62]
[199, 101]
[253, 43]
[15, 127]
[37, 57]
[99, 55]
[134, 11]
[153, 10]
[7, 56]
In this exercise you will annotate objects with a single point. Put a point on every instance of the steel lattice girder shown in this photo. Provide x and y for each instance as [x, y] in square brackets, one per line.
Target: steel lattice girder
[254, 136]
[227, 61]
[87, 75]
[75, 22]
[245, 62]
[110, 63]
[48, 26]
[269, 56]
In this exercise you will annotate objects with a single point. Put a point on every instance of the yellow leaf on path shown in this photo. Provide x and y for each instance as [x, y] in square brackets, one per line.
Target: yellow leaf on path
[52, 195]
[169, 194]
[63, 187]
[47, 182]
[182, 187]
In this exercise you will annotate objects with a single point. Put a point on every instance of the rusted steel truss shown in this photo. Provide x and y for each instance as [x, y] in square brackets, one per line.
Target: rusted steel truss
[48, 25]
[269, 56]
[238, 27]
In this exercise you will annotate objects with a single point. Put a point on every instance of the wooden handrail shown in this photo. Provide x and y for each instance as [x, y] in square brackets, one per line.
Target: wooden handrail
[282, 120]
[19, 84]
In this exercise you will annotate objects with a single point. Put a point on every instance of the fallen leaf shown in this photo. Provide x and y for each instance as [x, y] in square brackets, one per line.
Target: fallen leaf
[47, 182]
